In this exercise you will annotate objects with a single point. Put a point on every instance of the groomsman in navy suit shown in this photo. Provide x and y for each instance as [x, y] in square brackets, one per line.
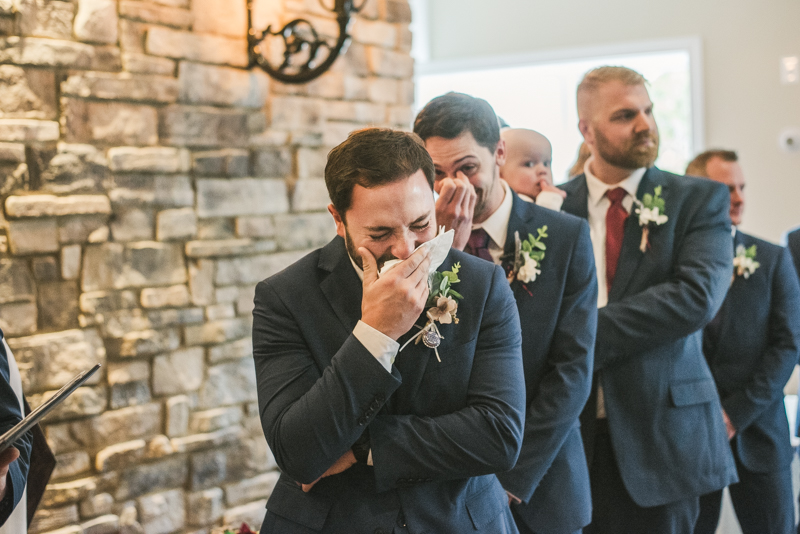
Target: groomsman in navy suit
[654, 430]
[556, 296]
[374, 432]
[752, 346]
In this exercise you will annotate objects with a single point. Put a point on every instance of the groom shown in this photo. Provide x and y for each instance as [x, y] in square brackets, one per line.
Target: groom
[370, 437]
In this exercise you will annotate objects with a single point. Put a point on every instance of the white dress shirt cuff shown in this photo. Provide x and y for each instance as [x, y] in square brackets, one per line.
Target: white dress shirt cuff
[378, 344]
[549, 200]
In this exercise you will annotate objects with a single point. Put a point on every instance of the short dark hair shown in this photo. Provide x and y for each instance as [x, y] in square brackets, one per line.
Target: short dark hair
[699, 165]
[373, 157]
[452, 114]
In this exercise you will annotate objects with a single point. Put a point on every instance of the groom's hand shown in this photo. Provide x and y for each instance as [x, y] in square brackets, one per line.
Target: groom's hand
[341, 465]
[455, 207]
[392, 303]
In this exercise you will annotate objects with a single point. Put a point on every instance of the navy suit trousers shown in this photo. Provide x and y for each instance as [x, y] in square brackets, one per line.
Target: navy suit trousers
[763, 502]
[614, 511]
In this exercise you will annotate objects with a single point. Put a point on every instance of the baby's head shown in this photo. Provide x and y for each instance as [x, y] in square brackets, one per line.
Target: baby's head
[528, 159]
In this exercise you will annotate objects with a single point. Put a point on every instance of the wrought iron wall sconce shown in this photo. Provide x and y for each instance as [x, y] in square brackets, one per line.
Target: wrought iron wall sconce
[306, 55]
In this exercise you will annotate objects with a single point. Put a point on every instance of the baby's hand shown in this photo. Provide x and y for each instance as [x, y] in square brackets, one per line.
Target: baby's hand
[544, 185]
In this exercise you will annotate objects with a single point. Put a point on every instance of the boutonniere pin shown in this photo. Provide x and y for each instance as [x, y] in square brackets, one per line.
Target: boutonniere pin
[528, 256]
[744, 263]
[651, 213]
[442, 307]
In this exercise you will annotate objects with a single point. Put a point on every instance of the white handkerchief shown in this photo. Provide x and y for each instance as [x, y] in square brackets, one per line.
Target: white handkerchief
[439, 246]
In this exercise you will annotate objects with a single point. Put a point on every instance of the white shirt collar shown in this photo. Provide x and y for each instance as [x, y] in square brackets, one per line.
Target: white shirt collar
[358, 269]
[497, 223]
[598, 188]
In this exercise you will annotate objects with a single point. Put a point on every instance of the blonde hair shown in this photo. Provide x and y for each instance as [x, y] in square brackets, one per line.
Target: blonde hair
[593, 79]
[601, 75]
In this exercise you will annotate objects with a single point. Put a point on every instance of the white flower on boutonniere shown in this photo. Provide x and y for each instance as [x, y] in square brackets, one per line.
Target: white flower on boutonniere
[651, 213]
[528, 256]
[442, 308]
[744, 263]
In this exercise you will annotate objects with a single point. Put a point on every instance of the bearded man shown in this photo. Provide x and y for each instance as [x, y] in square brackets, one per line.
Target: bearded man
[377, 429]
[653, 428]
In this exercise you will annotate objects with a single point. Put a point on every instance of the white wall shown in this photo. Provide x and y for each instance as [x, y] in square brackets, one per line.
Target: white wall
[745, 104]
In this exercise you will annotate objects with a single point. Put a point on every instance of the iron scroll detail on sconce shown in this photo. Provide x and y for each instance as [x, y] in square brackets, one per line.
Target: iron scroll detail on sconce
[302, 45]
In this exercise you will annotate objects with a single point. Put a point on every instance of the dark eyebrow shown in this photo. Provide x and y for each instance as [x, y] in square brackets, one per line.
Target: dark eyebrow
[624, 111]
[458, 161]
[387, 228]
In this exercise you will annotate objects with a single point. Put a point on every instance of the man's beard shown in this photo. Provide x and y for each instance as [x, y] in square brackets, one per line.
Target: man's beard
[630, 155]
[351, 249]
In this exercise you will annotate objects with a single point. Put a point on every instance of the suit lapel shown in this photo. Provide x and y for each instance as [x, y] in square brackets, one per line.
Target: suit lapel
[630, 256]
[415, 358]
[342, 286]
[577, 201]
[521, 214]
[723, 325]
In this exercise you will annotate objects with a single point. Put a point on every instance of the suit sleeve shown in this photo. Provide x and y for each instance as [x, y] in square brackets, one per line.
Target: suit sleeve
[310, 419]
[483, 437]
[687, 299]
[783, 346]
[10, 415]
[564, 389]
[794, 248]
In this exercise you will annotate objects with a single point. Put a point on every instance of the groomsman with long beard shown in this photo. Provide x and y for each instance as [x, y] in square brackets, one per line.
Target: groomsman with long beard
[653, 428]
[548, 260]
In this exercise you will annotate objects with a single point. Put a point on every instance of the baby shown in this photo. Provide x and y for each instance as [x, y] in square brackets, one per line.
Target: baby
[527, 168]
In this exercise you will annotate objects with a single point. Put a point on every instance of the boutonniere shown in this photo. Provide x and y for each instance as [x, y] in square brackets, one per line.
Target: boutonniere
[651, 213]
[744, 263]
[528, 256]
[442, 307]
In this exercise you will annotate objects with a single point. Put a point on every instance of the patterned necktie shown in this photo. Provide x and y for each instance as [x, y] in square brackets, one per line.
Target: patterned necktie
[615, 229]
[478, 244]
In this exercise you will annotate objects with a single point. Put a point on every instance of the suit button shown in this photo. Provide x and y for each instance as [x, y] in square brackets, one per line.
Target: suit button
[361, 421]
[380, 398]
[375, 404]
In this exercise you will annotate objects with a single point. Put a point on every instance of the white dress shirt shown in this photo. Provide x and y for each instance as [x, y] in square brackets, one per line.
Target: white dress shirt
[598, 207]
[497, 224]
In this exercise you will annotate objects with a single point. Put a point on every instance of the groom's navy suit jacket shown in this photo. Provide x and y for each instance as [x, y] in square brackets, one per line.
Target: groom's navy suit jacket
[438, 431]
[558, 313]
[752, 347]
[664, 414]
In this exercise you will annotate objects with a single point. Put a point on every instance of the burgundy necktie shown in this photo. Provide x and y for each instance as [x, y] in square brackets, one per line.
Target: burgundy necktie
[478, 244]
[615, 229]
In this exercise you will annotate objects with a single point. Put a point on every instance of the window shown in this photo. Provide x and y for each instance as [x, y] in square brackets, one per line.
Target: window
[539, 93]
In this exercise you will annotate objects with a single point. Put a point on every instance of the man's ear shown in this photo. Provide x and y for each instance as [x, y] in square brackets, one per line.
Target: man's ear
[500, 153]
[339, 220]
[583, 126]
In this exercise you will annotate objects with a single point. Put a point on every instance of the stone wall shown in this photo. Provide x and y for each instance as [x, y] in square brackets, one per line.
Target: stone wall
[148, 182]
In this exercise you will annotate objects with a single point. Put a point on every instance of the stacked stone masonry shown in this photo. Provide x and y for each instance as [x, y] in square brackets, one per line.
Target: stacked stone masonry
[149, 181]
